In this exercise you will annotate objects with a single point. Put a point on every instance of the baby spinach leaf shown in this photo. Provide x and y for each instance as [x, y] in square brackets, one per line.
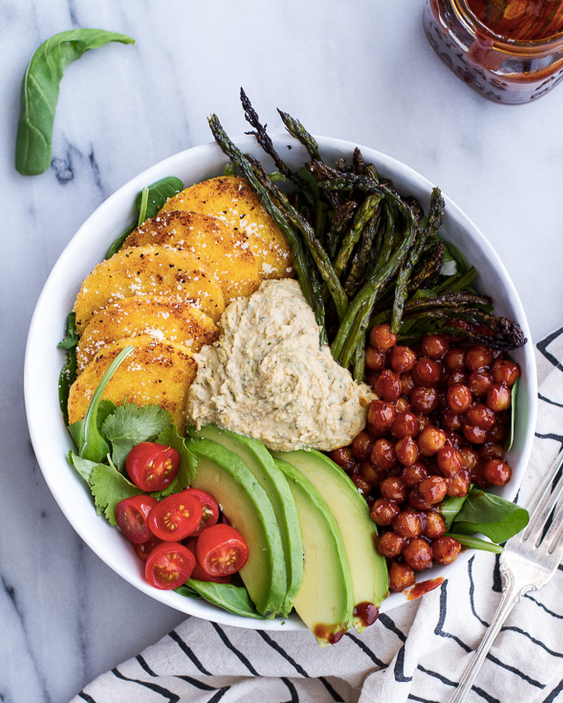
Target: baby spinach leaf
[83, 466]
[170, 437]
[496, 518]
[156, 195]
[67, 375]
[233, 599]
[109, 487]
[476, 543]
[40, 92]
[510, 439]
[86, 433]
[450, 507]
[129, 425]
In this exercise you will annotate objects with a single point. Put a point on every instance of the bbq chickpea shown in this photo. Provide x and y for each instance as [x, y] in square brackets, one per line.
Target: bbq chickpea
[478, 357]
[433, 489]
[363, 486]
[389, 386]
[401, 359]
[394, 489]
[390, 544]
[459, 398]
[382, 454]
[498, 397]
[375, 360]
[505, 371]
[479, 383]
[381, 415]
[407, 524]
[406, 451]
[383, 511]
[430, 440]
[404, 425]
[417, 554]
[473, 433]
[481, 416]
[344, 458]
[413, 475]
[426, 372]
[382, 338]
[448, 461]
[459, 484]
[445, 549]
[423, 400]
[361, 446]
[434, 346]
[496, 472]
[455, 359]
[433, 525]
[401, 576]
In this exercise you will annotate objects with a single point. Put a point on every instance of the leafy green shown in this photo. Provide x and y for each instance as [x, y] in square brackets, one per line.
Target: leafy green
[170, 437]
[454, 253]
[40, 93]
[493, 516]
[67, 375]
[510, 439]
[148, 203]
[86, 433]
[450, 507]
[476, 543]
[109, 487]
[83, 466]
[129, 425]
[233, 599]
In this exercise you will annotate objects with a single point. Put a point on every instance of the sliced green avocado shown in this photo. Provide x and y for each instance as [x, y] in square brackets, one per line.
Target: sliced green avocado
[325, 601]
[261, 463]
[369, 569]
[246, 504]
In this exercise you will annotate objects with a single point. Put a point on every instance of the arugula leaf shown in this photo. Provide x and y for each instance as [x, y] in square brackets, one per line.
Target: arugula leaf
[86, 433]
[109, 487]
[493, 516]
[40, 93]
[67, 375]
[170, 437]
[233, 599]
[148, 203]
[476, 543]
[130, 425]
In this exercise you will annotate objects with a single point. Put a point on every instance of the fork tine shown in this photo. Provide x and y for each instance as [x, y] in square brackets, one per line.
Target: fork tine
[555, 531]
[544, 500]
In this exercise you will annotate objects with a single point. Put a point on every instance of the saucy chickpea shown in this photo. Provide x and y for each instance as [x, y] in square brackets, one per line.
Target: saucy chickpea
[434, 346]
[401, 359]
[344, 458]
[381, 415]
[496, 472]
[417, 554]
[375, 360]
[433, 525]
[383, 511]
[407, 524]
[430, 440]
[406, 451]
[390, 544]
[445, 550]
[382, 338]
[394, 489]
[505, 371]
[401, 576]
[389, 386]
[426, 372]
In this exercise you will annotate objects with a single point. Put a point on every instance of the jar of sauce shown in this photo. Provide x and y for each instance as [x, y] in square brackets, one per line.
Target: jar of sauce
[511, 51]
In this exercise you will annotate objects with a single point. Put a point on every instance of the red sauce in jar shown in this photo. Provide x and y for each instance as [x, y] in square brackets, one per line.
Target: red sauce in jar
[424, 587]
[521, 20]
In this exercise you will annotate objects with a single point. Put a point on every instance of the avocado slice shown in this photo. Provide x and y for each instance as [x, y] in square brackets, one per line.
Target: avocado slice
[259, 460]
[221, 473]
[325, 601]
[359, 532]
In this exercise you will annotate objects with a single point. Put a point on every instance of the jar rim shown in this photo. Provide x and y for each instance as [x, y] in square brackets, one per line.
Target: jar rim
[473, 23]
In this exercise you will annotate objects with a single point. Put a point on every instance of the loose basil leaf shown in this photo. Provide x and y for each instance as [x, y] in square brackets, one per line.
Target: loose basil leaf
[233, 599]
[86, 433]
[510, 439]
[67, 375]
[40, 93]
[493, 516]
[158, 193]
[476, 543]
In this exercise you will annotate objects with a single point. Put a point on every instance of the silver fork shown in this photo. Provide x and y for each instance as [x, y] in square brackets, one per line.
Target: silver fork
[528, 562]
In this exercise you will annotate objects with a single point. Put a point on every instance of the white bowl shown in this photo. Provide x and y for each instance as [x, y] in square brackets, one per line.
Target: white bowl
[43, 359]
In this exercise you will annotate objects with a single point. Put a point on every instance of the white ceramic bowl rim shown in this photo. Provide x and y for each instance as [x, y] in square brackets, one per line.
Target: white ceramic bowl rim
[89, 245]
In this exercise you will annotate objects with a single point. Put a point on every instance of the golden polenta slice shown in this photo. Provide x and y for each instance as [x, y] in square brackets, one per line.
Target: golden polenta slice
[163, 319]
[234, 202]
[149, 271]
[222, 249]
[156, 373]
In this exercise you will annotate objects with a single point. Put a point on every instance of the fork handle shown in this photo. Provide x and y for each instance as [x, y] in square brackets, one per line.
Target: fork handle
[512, 592]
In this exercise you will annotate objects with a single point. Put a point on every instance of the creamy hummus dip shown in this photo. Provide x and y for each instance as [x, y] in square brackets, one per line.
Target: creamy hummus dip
[267, 377]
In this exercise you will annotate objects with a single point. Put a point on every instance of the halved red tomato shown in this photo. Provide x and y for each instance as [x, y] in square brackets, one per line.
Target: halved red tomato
[176, 517]
[132, 517]
[143, 549]
[221, 550]
[169, 565]
[209, 508]
[152, 466]
[198, 573]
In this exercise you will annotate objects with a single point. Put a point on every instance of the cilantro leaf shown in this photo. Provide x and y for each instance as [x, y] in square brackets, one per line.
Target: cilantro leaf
[130, 425]
[109, 487]
[171, 438]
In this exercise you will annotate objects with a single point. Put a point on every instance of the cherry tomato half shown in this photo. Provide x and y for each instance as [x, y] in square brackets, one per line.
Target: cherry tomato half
[176, 517]
[169, 565]
[152, 466]
[143, 549]
[131, 515]
[221, 550]
[209, 508]
[198, 573]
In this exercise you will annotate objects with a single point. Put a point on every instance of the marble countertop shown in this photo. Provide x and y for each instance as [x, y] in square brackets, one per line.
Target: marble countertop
[360, 71]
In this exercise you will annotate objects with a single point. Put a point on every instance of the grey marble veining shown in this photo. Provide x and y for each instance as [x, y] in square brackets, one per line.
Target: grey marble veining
[359, 70]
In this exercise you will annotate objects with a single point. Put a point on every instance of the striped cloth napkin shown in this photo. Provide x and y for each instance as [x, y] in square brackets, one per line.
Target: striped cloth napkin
[416, 652]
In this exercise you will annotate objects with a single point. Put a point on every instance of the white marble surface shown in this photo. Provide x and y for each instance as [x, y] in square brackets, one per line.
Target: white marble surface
[359, 70]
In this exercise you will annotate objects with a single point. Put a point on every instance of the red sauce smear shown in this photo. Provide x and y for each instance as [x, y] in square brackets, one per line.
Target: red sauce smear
[523, 20]
[367, 613]
[325, 632]
[425, 587]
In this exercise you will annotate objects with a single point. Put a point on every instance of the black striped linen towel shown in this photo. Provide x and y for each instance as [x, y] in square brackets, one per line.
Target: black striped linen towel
[416, 652]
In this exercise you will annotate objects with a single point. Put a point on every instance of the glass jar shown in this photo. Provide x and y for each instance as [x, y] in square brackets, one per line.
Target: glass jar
[510, 71]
